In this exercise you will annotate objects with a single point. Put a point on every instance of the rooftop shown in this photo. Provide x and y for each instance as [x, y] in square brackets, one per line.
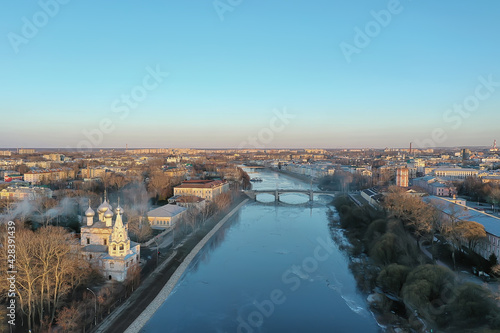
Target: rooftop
[491, 223]
[201, 183]
[166, 211]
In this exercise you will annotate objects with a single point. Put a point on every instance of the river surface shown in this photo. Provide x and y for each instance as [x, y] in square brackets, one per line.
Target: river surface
[271, 268]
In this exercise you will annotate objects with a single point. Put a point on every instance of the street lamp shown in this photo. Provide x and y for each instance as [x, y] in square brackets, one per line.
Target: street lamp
[95, 306]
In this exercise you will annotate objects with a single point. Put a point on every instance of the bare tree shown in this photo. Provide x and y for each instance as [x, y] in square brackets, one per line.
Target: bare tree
[28, 273]
[158, 183]
[69, 318]
[470, 233]
[190, 217]
[223, 200]
[411, 210]
[451, 215]
[49, 267]
[206, 211]
[139, 227]
[133, 277]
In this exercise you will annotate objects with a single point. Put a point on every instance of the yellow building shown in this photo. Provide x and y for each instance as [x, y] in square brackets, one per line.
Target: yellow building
[25, 192]
[54, 157]
[35, 177]
[26, 151]
[206, 189]
[93, 172]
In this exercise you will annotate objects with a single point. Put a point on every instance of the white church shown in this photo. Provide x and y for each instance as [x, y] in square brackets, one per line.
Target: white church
[106, 244]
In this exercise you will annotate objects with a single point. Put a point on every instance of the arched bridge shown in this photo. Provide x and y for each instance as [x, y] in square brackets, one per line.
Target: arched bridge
[252, 194]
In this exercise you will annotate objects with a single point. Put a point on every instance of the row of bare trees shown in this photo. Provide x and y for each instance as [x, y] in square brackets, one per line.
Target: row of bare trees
[49, 269]
[81, 313]
[195, 216]
[477, 190]
[161, 186]
[426, 220]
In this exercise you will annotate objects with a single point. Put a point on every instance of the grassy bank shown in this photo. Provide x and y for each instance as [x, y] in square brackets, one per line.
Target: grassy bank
[407, 290]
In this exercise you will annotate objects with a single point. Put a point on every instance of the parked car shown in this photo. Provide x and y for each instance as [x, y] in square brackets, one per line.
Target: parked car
[485, 277]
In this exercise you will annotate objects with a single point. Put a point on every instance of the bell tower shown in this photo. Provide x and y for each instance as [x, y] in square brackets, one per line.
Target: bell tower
[119, 244]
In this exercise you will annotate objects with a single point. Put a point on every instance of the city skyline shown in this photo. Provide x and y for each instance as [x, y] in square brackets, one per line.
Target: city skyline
[249, 74]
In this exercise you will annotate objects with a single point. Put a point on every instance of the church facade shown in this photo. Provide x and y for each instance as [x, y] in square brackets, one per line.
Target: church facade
[106, 244]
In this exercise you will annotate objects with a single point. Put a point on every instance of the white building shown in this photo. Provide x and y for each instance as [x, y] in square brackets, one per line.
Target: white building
[165, 216]
[491, 224]
[455, 173]
[106, 244]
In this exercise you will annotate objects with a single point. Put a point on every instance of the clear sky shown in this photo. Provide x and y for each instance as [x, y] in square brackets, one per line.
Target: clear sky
[233, 65]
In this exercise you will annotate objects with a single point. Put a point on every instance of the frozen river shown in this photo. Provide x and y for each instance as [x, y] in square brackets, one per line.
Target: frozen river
[269, 269]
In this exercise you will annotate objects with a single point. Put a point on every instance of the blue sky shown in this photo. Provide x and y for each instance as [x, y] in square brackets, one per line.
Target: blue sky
[227, 77]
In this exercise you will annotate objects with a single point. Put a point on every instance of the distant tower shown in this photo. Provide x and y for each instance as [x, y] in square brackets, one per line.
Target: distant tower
[402, 175]
[466, 154]
[410, 148]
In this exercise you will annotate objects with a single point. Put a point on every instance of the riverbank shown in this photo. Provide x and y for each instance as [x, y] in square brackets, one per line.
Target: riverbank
[404, 285]
[364, 269]
[120, 320]
[144, 317]
[262, 251]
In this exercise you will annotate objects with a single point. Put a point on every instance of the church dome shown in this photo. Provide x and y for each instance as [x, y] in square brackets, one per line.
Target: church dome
[104, 207]
[89, 212]
[109, 213]
[118, 210]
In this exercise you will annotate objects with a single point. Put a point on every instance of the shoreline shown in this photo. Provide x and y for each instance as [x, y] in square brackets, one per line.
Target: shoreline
[149, 312]
[362, 265]
[345, 246]
[134, 306]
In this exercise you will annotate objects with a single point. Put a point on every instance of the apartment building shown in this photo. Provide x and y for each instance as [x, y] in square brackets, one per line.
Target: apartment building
[25, 192]
[435, 186]
[26, 151]
[36, 177]
[455, 173]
